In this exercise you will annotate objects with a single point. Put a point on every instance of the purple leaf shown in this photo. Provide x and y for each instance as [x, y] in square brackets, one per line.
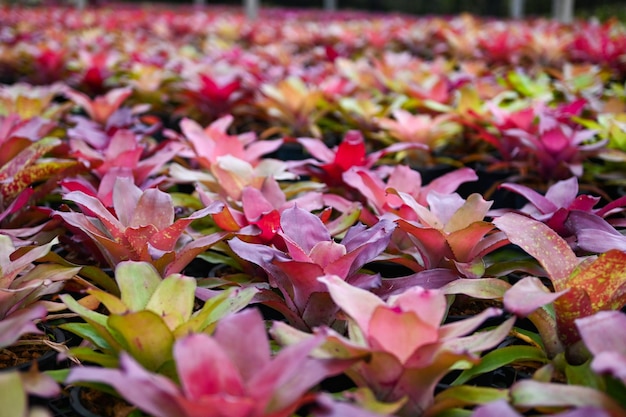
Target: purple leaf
[152, 393]
[19, 323]
[303, 228]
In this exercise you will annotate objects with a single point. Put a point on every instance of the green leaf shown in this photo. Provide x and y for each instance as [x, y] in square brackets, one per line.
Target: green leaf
[228, 301]
[82, 311]
[88, 332]
[616, 389]
[86, 354]
[58, 375]
[95, 274]
[111, 302]
[218, 258]
[464, 395]
[150, 348]
[499, 358]
[583, 375]
[334, 346]
[173, 300]
[12, 395]
[137, 282]
[455, 412]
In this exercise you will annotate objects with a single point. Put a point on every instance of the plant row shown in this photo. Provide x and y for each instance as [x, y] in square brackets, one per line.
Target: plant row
[315, 215]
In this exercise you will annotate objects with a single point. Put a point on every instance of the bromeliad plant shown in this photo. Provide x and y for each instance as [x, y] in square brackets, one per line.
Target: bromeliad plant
[194, 102]
[164, 307]
[451, 232]
[574, 280]
[307, 251]
[24, 285]
[142, 227]
[408, 348]
[231, 373]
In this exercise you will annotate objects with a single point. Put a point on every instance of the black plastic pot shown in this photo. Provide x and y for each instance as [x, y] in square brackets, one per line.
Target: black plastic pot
[48, 360]
[77, 405]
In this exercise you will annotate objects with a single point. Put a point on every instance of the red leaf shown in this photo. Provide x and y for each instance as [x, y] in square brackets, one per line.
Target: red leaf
[570, 306]
[351, 152]
[603, 280]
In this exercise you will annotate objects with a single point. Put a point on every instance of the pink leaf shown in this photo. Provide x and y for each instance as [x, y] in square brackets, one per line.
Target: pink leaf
[244, 339]
[154, 207]
[355, 302]
[528, 295]
[399, 332]
[205, 369]
[542, 243]
[19, 323]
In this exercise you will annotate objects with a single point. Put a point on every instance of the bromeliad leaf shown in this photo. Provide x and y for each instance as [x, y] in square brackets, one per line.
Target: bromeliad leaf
[165, 306]
[143, 227]
[27, 168]
[580, 295]
[541, 242]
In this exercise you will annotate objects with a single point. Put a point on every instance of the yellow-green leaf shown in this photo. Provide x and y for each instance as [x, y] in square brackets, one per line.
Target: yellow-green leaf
[151, 348]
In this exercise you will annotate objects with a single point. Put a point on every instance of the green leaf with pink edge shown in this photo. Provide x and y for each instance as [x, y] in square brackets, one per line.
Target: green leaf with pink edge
[15, 260]
[542, 243]
[533, 394]
[482, 288]
[153, 348]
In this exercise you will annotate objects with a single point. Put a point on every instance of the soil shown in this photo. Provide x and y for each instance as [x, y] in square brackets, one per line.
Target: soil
[28, 349]
[103, 404]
